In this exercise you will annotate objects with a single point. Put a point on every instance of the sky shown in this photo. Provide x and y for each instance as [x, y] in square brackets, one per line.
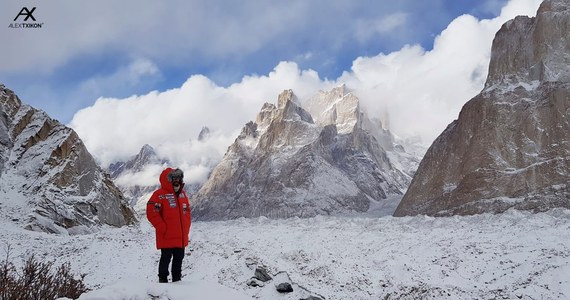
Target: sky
[128, 73]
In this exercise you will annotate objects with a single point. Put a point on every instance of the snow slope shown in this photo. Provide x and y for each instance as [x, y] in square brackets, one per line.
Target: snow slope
[515, 255]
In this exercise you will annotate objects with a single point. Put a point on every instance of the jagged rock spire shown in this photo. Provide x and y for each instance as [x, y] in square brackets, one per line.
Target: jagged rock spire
[286, 165]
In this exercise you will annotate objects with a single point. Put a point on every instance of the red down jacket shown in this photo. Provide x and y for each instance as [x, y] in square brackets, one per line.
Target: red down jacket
[169, 214]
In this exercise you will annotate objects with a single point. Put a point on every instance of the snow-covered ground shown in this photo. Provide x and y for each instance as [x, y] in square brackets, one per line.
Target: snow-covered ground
[516, 255]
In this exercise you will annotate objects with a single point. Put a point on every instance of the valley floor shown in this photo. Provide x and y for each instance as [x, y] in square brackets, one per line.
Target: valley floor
[516, 255]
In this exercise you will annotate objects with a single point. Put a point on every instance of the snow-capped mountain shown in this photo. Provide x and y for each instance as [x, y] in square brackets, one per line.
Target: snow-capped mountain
[326, 159]
[146, 156]
[510, 146]
[137, 178]
[46, 163]
[145, 161]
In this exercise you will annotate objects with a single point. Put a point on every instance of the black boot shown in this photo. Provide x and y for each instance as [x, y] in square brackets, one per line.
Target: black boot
[162, 279]
[174, 279]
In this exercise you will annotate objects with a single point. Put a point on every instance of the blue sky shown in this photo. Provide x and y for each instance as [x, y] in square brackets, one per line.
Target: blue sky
[155, 72]
[70, 62]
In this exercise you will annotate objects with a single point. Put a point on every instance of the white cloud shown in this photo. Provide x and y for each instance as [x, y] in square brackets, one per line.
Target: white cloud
[146, 177]
[191, 31]
[421, 91]
[167, 32]
[195, 157]
[367, 29]
[115, 129]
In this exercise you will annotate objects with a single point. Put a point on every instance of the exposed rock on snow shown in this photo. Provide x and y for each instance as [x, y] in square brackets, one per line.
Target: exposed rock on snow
[261, 274]
[510, 146]
[284, 287]
[312, 298]
[328, 159]
[65, 189]
[281, 283]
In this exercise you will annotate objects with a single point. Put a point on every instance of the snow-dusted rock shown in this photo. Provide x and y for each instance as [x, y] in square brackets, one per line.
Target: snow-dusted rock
[510, 146]
[291, 162]
[65, 189]
[144, 162]
[533, 49]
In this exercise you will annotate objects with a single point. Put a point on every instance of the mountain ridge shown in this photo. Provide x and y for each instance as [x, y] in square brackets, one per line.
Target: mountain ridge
[46, 162]
[289, 163]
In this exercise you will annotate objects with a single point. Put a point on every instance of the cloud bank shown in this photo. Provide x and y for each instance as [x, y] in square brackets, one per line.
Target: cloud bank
[91, 49]
[115, 129]
[419, 91]
[182, 30]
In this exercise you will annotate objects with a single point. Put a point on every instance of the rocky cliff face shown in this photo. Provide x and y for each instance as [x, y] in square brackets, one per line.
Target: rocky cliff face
[46, 162]
[297, 162]
[510, 146]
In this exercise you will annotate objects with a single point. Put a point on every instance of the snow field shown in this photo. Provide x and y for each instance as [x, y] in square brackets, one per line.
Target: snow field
[515, 255]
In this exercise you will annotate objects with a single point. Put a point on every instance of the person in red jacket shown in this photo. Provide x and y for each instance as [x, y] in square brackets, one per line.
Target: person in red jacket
[168, 210]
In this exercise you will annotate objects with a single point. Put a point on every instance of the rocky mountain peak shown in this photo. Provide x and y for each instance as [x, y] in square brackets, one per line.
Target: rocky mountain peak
[266, 115]
[533, 49]
[49, 165]
[286, 96]
[339, 91]
[249, 130]
[289, 108]
[146, 155]
[336, 107]
[146, 152]
[510, 147]
[285, 165]
[140, 163]
[10, 102]
[204, 133]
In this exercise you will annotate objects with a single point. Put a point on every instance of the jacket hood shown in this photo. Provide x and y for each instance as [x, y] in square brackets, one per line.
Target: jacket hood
[164, 183]
[167, 185]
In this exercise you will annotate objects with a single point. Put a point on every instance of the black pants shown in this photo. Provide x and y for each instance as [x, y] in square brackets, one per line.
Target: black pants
[166, 254]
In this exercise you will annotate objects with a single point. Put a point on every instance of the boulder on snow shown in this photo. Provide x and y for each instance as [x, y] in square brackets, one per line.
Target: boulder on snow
[312, 298]
[284, 287]
[254, 282]
[261, 274]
